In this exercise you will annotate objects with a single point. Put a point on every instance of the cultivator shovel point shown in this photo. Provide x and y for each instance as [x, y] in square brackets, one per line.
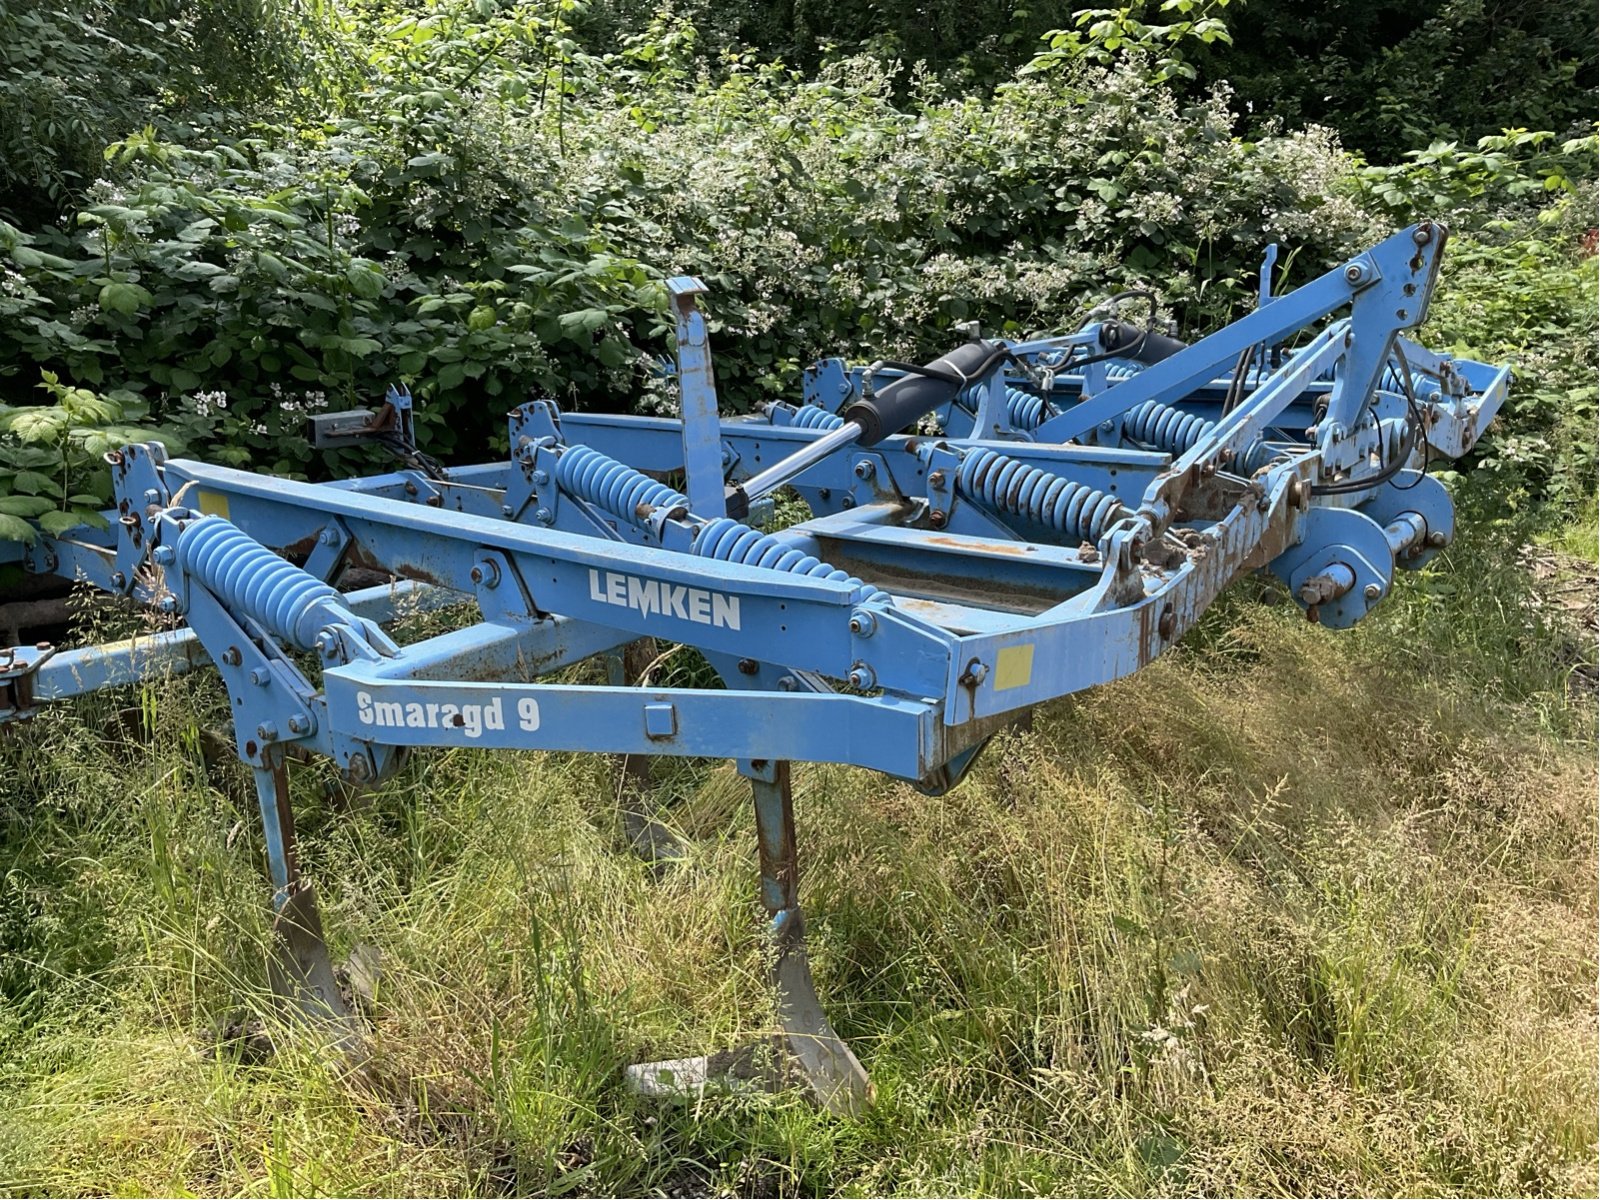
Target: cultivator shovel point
[1060, 512]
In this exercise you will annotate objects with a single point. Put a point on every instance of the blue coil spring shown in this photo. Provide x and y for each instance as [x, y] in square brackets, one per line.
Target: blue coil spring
[252, 581]
[727, 540]
[1175, 432]
[1010, 486]
[616, 487]
[1165, 427]
[1023, 409]
[810, 416]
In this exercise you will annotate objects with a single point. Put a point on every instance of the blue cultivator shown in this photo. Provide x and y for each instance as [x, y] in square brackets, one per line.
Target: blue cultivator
[1005, 525]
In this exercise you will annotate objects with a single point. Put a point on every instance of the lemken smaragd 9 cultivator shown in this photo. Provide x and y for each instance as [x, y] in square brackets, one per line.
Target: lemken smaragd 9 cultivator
[1004, 525]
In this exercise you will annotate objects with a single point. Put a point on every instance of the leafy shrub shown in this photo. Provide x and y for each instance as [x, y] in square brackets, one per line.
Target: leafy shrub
[77, 74]
[496, 212]
[492, 213]
[51, 470]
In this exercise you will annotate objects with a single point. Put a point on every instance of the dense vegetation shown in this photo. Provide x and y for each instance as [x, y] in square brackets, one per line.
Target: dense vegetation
[1284, 912]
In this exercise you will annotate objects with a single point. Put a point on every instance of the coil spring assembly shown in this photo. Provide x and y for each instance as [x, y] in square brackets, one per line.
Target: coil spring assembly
[1165, 427]
[727, 540]
[1010, 486]
[247, 577]
[616, 487]
[1175, 432]
[1024, 410]
[810, 416]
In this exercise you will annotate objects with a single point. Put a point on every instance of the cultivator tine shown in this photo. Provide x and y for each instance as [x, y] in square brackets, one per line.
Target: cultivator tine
[300, 970]
[835, 1076]
[806, 1050]
[820, 1056]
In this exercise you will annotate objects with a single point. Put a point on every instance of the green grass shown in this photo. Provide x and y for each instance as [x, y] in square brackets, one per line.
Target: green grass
[1288, 912]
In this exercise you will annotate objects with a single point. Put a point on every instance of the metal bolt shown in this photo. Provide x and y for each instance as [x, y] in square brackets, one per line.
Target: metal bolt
[1423, 234]
[847, 501]
[865, 469]
[168, 605]
[327, 643]
[267, 731]
[1437, 538]
[541, 477]
[164, 556]
[1354, 273]
[788, 684]
[260, 677]
[359, 769]
[151, 496]
[936, 480]
[119, 580]
[863, 623]
[329, 536]
[506, 510]
[299, 723]
[862, 676]
[938, 518]
[749, 666]
[1372, 591]
[231, 656]
[544, 516]
[975, 674]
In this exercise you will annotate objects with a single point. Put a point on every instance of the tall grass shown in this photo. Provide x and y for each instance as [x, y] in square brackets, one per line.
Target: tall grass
[1287, 912]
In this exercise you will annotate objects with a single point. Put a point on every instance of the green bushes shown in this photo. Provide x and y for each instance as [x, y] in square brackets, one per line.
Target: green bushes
[494, 211]
[77, 74]
[491, 211]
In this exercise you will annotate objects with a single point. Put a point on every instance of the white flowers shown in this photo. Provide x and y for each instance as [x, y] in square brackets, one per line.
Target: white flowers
[205, 403]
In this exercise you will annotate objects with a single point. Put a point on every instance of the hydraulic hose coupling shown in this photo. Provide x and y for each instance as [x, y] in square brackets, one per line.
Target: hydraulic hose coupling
[252, 581]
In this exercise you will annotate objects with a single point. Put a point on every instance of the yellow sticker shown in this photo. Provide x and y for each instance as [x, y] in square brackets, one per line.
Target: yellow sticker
[215, 503]
[1013, 667]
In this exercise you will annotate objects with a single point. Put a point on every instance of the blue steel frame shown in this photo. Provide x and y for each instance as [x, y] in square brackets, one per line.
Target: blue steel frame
[946, 582]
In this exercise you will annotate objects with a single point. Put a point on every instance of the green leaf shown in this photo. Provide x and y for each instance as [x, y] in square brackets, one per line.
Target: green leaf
[366, 280]
[582, 322]
[57, 522]
[125, 298]
[14, 529]
[37, 425]
[25, 506]
[35, 482]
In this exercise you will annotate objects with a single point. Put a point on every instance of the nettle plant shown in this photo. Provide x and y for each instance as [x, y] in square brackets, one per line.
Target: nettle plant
[52, 470]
